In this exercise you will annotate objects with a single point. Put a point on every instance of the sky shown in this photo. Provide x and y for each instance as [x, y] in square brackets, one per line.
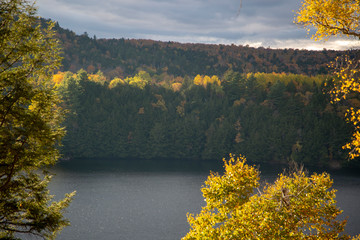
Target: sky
[266, 23]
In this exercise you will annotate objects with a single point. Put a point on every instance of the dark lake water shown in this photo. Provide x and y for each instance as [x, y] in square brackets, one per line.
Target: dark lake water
[147, 200]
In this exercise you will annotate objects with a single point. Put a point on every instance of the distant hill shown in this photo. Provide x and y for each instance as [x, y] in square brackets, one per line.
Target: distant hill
[125, 57]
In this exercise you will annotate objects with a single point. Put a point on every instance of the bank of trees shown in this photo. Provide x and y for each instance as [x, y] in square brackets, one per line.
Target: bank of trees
[267, 117]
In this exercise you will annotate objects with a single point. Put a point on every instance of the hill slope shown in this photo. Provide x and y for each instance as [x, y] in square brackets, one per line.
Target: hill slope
[124, 57]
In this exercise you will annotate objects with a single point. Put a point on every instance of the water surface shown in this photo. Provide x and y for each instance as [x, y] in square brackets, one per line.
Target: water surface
[146, 200]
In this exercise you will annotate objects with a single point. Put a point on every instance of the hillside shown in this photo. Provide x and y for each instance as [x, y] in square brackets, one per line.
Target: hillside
[125, 57]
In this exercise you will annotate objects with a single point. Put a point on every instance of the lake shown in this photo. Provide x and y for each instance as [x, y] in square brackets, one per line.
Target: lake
[148, 200]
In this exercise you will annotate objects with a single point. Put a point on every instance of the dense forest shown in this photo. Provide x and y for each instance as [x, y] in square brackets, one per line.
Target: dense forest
[150, 99]
[126, 57]
[267, 117]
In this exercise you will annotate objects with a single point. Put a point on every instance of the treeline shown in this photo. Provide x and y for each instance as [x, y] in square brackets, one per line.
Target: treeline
[267, 117]
[125, 57]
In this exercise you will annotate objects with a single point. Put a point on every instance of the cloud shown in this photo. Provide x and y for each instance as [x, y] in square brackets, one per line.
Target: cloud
[208, 21]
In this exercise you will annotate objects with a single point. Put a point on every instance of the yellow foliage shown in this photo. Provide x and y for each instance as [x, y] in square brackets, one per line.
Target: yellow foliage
[176, 86]
[98, 78]
[330, 17]
[295, 206]
[333, 18]
[57, 78]
[215, 80]
[140, 80]
[346, 83]
[264, 78]
[198, 80]
[205, 80]
[115, 82]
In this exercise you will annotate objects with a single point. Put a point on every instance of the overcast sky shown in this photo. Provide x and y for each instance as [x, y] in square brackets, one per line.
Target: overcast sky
[267, 23]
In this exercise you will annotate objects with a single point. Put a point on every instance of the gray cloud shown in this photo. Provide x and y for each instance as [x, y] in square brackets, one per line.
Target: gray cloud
[259, 22]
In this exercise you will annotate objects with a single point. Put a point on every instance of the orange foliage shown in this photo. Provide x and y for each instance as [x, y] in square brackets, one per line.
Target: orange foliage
[176, 86]
[98, 78]
[57, 78]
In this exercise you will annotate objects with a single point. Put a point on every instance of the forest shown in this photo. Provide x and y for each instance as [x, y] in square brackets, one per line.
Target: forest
[131, 98]
[126, 57]
[268, 117]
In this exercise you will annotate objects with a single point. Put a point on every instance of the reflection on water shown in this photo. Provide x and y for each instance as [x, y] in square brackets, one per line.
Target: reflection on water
[149, 200]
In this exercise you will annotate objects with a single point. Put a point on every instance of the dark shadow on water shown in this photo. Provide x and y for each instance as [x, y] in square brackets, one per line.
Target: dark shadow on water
[181, 165]
[140, 165]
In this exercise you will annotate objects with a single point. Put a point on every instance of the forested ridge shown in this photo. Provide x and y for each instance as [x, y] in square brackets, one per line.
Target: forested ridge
[125, 57]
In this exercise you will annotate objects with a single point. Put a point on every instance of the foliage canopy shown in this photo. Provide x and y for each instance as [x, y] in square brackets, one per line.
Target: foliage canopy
[295, 206]
[29, 123]
[330, 17]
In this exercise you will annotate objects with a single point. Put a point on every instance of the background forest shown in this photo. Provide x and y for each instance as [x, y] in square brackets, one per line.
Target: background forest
[267, 117]
[126, 57]
[147, 99]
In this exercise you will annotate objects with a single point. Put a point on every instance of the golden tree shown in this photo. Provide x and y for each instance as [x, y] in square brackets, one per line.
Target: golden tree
[295, 206]
[338, 18]
[330, 17]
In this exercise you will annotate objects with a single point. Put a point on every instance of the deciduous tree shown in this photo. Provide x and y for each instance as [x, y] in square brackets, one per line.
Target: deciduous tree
[330, 17]
[29, 123]
[295, 206]
[338, 18]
